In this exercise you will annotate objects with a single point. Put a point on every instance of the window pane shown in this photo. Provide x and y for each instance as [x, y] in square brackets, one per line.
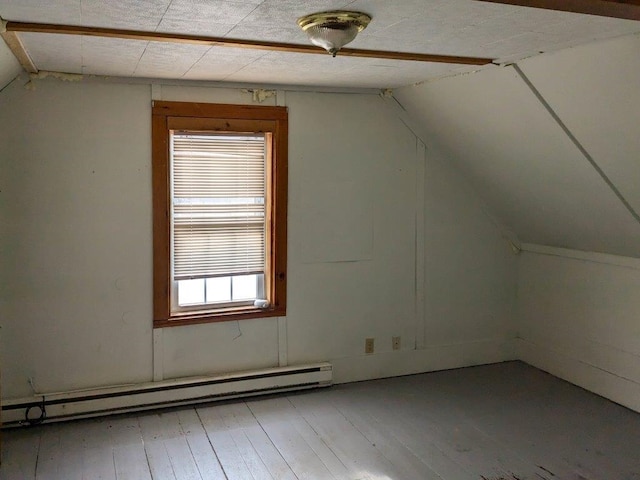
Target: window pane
[218, 203]
[219, 289]
[219, 187]
[244, 287]
[260, 293]
[190, 292]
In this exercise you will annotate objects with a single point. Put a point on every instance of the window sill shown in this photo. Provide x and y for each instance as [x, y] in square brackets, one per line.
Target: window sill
[220, 315]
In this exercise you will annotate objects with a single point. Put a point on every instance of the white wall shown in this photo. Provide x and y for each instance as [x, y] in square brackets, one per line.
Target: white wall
[9, 66]
[577, 312]
[75, 214]
[525, 165]
[75, 282]
[578, 319]
[470, 274]
[594, 90]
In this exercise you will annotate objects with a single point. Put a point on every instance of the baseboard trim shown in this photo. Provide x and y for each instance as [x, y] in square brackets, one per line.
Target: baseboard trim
[618, 389]
[166, 393]
[428, 359]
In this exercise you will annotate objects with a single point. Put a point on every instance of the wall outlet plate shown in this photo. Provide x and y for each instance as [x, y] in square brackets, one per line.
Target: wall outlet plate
[368, 345]
[395, 343]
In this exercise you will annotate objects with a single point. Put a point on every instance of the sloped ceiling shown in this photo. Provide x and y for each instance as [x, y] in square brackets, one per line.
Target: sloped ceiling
[552, 144]
[9, 66]
[447, 27]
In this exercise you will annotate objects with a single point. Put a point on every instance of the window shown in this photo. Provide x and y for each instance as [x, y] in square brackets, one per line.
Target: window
[219, 212]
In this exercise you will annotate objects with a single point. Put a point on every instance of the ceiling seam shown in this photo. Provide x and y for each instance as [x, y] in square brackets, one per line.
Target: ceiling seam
[244, 66]
[135, 69]
[164, 13]
[245, 17]
[575, 141]
[196, 62]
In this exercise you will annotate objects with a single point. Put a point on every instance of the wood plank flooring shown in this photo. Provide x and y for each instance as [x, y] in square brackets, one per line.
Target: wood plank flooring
[498, 422]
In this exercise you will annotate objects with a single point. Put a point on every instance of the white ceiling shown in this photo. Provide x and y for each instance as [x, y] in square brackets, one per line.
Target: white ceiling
[497, 131]
[453, 27]
[525, 165]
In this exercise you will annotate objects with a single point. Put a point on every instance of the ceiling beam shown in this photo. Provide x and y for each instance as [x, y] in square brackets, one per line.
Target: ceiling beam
[626, 9]
[17, 48]
[17, 27]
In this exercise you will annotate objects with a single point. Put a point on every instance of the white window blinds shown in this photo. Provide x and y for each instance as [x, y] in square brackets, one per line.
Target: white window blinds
[218, 192]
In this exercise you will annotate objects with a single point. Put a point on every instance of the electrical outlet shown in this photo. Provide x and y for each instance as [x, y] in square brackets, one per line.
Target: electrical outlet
[395, 343]
[368, 345]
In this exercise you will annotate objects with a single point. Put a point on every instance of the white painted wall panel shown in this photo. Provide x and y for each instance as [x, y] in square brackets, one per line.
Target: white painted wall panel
[363, 284]
[578, 319]
[594, 90]
[9, 66]
[496, 131]
[469, 263]
[177, 93]
[75, 283]
[76, 229]
[219, 347]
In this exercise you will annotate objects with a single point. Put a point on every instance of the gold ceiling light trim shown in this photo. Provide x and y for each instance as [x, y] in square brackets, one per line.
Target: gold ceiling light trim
[361, 20]
[332, 30]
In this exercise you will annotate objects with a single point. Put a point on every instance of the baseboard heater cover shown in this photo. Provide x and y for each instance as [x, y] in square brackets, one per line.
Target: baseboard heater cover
[168, 393]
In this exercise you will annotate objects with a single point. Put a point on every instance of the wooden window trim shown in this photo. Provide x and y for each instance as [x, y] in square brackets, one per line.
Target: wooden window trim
[220, 117]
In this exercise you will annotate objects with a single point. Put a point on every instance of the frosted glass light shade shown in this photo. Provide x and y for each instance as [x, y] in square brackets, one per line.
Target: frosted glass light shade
[331, 38]
[333, 30]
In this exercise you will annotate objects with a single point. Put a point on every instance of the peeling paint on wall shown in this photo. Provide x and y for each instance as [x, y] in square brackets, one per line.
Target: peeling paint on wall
[259, 95]
[42, 74]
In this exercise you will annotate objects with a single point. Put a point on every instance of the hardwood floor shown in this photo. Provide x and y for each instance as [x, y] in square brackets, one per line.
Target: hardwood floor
[498, 422]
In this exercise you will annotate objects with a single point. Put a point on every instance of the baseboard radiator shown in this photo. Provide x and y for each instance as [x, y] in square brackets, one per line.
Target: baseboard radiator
[168, 393]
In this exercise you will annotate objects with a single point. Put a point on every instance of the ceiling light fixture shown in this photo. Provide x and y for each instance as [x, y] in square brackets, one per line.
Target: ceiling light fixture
[333, 30]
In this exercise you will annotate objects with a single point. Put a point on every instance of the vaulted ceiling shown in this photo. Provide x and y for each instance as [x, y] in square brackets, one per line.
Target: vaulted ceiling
[450, 27]
[547, 135]
[551, 144]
